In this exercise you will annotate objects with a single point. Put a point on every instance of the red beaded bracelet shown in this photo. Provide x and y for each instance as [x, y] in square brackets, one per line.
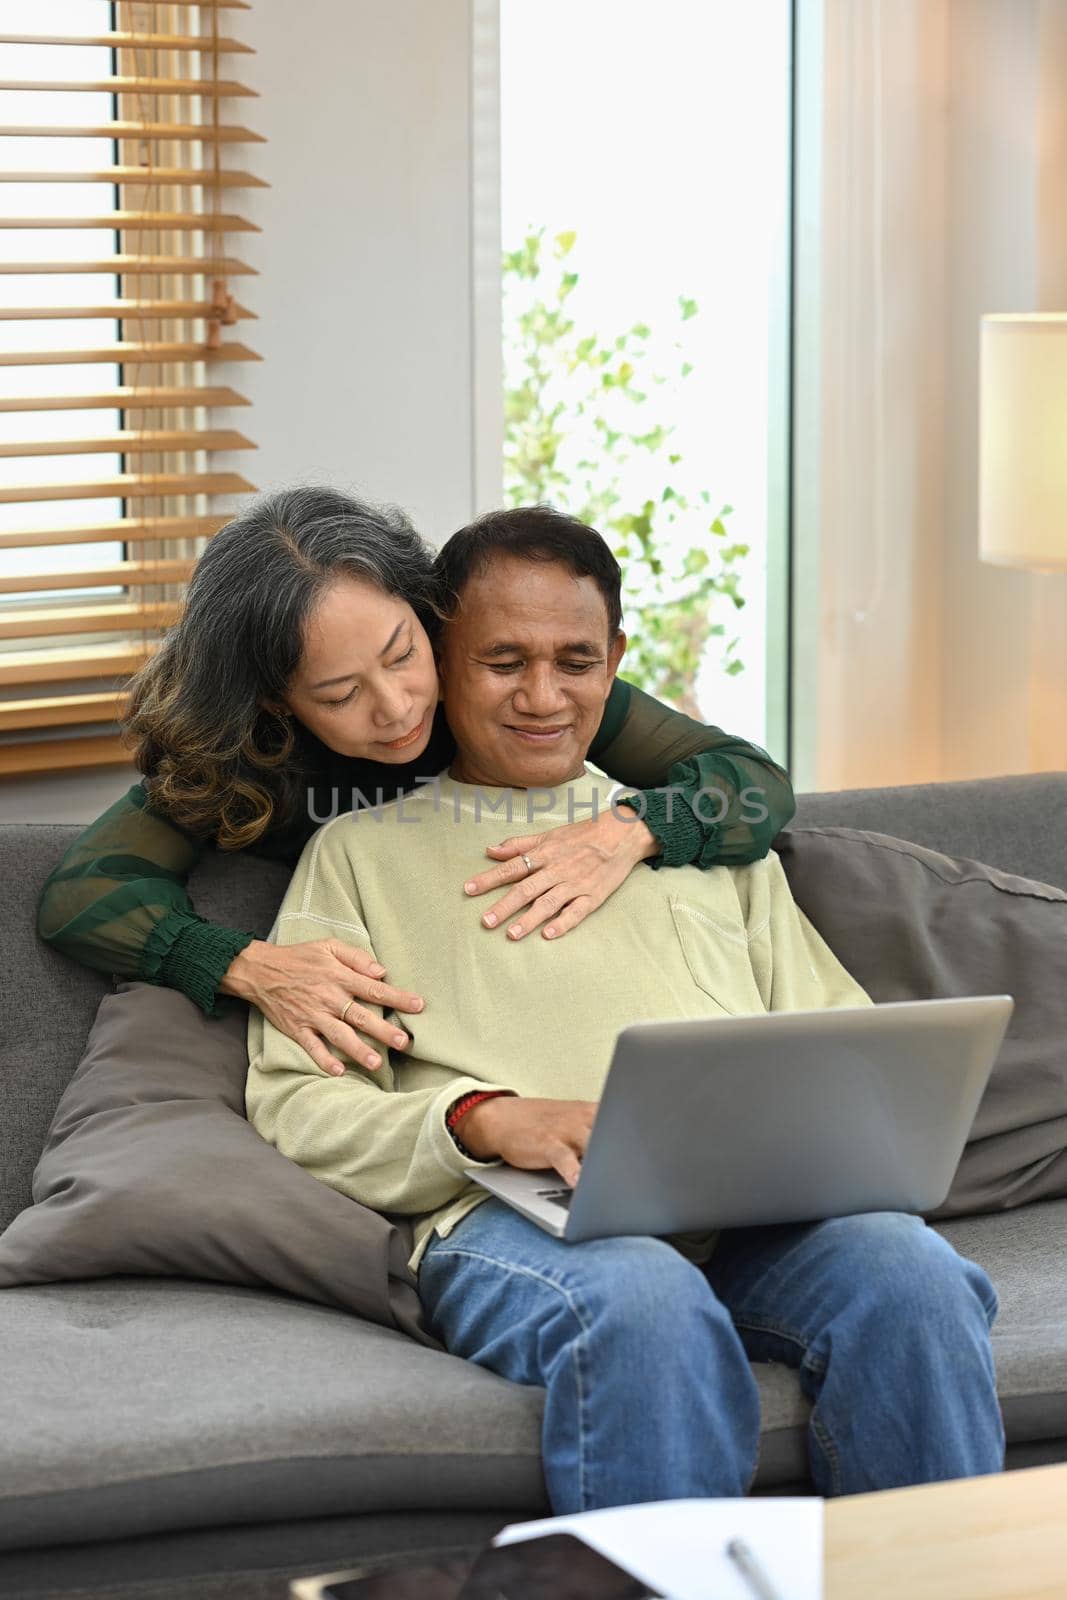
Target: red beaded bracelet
[467, 1103]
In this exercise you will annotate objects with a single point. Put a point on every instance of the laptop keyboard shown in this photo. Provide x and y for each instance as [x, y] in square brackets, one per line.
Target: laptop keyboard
[559, 1197]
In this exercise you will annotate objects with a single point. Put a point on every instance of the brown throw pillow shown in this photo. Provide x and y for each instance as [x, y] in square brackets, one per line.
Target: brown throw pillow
[912, 924]
[151, 1168]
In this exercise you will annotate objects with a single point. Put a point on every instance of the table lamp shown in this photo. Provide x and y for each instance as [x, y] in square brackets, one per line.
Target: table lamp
[1022, 497]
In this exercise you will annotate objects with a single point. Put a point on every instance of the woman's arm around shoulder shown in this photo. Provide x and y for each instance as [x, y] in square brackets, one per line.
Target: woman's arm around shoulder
[709, 797]
[117, 902]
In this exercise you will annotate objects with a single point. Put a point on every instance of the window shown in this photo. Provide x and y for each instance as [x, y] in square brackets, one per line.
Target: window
[648, 151]
[115, 302]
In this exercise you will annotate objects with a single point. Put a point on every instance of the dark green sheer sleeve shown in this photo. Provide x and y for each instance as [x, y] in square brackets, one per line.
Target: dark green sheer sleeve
[117, 902]
[709, 798]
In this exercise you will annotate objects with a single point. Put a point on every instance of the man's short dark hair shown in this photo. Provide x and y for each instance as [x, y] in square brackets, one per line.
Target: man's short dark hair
[532, 533]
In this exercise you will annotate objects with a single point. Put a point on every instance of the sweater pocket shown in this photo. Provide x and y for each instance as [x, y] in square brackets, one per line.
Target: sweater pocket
[718, 954]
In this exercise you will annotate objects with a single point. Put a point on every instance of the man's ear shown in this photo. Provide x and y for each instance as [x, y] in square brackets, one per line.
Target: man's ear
[616, 651]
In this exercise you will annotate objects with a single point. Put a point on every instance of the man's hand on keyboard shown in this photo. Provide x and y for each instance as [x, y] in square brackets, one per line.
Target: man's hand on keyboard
[530, 1133]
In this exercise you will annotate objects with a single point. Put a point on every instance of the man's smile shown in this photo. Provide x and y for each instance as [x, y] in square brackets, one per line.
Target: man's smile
[538, 735]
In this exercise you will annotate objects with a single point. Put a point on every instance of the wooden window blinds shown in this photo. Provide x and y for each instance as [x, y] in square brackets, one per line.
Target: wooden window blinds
[120, 244]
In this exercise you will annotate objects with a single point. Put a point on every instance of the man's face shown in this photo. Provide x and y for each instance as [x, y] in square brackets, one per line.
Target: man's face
[525, 668]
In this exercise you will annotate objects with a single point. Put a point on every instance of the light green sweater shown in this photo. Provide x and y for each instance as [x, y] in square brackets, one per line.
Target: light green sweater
[536, 1017]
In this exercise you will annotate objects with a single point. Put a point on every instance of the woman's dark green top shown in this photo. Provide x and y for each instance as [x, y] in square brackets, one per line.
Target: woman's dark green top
[117, 901]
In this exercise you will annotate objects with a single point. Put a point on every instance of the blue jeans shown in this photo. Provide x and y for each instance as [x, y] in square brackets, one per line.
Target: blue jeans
[644, 1357]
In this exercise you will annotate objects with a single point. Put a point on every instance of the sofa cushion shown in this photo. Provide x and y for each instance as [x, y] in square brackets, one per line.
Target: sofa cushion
[150, 1167]
[135, 1405]
[910, 924]
[140, 1405]
[49, 1001]
[1013, 822]
[1025, 1255]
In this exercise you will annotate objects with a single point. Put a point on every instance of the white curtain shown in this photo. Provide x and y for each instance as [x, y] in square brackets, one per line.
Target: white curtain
[931, 147]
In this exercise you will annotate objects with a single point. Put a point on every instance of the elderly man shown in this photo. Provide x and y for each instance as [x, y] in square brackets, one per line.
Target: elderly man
[642, 1344]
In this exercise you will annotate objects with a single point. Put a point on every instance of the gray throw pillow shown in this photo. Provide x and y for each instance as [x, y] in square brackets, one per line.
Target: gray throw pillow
[151, 1168]
[912, 924]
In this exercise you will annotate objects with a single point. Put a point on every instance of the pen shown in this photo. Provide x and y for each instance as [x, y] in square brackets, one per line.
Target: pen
[750, 1569]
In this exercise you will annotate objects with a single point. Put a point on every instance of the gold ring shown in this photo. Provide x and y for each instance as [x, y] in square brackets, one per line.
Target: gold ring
[528, 863]
[344, 1013]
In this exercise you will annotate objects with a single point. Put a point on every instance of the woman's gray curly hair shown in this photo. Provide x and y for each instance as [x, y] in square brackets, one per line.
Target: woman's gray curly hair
[216, 762]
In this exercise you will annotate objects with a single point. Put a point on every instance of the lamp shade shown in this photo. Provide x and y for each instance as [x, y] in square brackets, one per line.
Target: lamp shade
[1023, 442]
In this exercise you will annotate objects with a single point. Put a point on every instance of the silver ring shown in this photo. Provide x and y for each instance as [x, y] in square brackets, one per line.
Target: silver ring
[528, 863]
[344, 1013]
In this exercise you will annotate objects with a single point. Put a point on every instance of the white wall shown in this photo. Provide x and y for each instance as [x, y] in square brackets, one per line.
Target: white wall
[371, 369]
[364, 299]
[75, 797]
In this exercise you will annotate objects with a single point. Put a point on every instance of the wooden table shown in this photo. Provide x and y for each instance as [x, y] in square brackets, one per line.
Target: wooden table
[995, 1538]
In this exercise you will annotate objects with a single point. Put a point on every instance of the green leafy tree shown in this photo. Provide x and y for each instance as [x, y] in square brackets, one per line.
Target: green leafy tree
[578, 437]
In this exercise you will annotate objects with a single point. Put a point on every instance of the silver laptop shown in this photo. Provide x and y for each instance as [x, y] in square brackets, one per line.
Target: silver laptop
[789, 1116]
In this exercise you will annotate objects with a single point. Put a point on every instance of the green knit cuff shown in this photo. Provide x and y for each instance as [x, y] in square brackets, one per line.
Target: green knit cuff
[683, 838]
[192, 955]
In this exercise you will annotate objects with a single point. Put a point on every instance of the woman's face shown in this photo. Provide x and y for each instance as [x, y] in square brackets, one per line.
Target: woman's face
[367, 683]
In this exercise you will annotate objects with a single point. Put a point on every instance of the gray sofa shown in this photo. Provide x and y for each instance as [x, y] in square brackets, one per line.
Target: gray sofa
[166, 1438]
